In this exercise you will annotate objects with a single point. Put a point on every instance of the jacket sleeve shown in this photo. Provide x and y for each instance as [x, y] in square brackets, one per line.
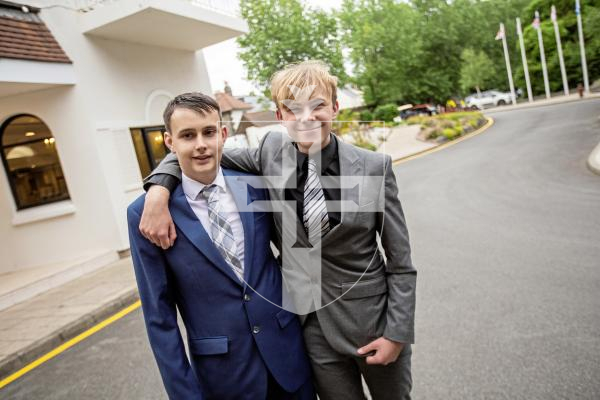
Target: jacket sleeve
[160, 314]
[244, 159]
[168, 172]
[401, 275]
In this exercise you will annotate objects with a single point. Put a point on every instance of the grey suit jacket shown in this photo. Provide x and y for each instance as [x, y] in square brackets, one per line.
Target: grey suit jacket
[367, 294]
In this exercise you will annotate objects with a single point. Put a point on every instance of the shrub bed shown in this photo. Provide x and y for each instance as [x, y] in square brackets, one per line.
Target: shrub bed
[449, 126]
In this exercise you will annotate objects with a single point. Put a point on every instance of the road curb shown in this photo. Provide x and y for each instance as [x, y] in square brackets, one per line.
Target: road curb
[44, 345]
[489, 123]
[593, 161]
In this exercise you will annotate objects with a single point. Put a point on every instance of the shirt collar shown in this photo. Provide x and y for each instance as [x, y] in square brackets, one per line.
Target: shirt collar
[192, 188]
[328, 154]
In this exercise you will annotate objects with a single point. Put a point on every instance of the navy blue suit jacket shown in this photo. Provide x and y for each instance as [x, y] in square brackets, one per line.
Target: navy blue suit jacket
[235, 334]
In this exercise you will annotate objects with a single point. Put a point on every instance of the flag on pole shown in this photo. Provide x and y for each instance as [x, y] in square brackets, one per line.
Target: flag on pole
[553, 14]
[500, 34]
[536, 22]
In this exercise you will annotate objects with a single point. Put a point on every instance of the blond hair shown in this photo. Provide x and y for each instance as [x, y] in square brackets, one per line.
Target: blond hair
[301, 75]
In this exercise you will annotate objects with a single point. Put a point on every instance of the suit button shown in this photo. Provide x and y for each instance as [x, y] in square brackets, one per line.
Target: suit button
[256, 329]
[246, 297]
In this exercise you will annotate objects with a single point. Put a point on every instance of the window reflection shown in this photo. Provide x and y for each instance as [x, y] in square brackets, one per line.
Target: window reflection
[150, 148]
[31, 162]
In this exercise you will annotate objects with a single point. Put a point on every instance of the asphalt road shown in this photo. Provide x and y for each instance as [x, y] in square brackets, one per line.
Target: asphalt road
[505, 229]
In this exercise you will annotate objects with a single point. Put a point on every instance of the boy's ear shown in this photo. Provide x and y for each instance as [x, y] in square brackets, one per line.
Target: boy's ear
[278, 114]
[224, 132]
[336, 108]
[169, 141]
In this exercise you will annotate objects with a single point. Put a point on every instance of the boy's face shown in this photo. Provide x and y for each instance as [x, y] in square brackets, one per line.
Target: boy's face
[197, 140]
[309, 122]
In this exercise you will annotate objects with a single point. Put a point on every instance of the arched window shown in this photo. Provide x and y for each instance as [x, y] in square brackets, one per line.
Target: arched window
[31, 162]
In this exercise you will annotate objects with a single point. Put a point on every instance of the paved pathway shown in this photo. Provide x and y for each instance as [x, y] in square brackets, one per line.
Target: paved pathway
[34, 327]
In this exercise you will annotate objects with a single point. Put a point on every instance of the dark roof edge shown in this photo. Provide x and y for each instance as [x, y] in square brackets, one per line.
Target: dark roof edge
[18, 6]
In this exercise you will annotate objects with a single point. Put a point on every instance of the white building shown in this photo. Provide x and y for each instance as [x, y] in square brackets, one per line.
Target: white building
[82, 90]
[350, 97]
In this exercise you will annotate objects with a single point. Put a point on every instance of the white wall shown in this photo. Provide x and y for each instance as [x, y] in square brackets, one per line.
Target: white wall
[89, 229]
[236, 117]
[120, 86]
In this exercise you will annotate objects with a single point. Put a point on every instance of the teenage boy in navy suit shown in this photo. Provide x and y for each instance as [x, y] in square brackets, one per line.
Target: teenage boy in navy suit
[242, 345]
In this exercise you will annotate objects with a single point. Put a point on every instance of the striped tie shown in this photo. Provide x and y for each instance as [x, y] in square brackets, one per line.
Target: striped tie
[222, 234]
[316, 219]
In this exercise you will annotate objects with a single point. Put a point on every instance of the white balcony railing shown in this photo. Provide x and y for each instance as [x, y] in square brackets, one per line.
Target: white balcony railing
[226, 7]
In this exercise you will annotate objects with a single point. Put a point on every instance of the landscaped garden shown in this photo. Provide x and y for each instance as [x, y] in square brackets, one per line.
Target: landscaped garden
[448, 126]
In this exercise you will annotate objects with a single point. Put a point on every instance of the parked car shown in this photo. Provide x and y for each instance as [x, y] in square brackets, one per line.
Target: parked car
[419, 109]
[489, 98]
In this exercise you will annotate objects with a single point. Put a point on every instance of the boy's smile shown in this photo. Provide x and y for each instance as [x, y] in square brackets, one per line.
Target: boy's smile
[309, 122]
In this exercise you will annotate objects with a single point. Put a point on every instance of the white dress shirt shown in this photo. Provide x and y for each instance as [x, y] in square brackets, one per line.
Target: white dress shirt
[229, 209]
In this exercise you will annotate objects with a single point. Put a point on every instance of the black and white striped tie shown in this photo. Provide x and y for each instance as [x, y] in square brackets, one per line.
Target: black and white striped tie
[316, 219]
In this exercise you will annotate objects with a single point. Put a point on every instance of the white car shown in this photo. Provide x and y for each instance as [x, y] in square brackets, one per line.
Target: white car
[489, 98]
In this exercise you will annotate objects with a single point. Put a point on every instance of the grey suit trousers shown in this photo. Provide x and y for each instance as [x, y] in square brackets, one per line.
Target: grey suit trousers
[338, 376]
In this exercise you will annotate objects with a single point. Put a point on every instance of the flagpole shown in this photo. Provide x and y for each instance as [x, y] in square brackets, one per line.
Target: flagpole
[586, 82]
[524, 58]
[542, 55]
[563, 72]
[508, 69]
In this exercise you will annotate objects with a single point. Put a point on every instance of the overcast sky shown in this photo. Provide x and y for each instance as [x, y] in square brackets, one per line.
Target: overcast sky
[223, 64]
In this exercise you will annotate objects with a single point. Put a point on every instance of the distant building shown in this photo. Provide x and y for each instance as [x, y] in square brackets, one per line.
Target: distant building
[256, 125]
[259, 103]
[232, 110]
[350, 97]
[81, 98]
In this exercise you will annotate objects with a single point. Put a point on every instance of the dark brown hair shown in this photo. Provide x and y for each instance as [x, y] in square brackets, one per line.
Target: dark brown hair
[194, 101]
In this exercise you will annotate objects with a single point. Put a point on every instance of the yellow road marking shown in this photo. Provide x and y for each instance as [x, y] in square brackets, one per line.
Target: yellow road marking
[490, 122]
[69, 344]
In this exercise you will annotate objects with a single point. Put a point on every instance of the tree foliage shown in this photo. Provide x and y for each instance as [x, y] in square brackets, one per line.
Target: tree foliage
[385, 48]
[476, 70]
[282, 32]
[567, 22]
[413, 51]
[423, 41]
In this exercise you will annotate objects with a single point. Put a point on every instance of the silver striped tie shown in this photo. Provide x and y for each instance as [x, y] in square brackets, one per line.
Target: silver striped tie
[316, 219]
[220, 229]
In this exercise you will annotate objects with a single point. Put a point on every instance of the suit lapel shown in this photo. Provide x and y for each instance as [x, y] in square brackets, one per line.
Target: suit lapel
[288, 155]
[350, 169]
[241, 195]
[188, 223]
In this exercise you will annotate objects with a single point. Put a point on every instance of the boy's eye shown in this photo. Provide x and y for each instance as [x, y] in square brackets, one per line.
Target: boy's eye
[187, 135]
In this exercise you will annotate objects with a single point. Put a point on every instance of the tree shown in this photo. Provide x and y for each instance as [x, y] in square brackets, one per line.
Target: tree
[567, 22]
[385, 48]
[282, 32]
[476, 70]
[452, 26]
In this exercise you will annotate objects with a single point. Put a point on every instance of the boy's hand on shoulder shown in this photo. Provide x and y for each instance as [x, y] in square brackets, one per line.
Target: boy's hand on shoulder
[384, 351]
[156, 223]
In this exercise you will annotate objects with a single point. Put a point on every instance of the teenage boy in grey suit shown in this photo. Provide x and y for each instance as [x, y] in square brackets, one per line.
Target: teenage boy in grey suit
[366, 324]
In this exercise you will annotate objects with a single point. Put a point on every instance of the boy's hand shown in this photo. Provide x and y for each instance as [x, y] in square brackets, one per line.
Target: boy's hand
[156, 224]
[384, 351]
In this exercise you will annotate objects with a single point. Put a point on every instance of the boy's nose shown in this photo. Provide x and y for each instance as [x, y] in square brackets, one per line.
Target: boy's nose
[200, 145]
[307, 115]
